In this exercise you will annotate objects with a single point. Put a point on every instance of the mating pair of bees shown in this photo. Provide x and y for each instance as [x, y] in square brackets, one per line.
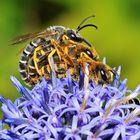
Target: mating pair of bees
[59, 49]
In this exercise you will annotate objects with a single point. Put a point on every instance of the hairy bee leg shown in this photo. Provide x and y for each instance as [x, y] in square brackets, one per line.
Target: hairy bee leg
[85, 57]
[83, 60]
[66, 50]
[83, 66]
[92, 66]
[55, 44]
[92, 70]
[49, 59]
[61, 53]
[66, 40]
[36, 60]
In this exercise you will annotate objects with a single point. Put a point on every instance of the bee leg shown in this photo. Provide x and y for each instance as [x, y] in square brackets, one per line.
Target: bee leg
[36, 60]
[82, 61]
[85, 57]
[92, 71]
[82, 64]
[47, 71]
[49, 59]
[66, 50]
[66, 40]
[95, 78]
[62, 54]
[55, 44]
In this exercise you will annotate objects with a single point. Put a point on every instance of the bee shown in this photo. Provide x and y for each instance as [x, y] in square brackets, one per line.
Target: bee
[61, 66]
[80, 55]
[100, 72]
[51, 42]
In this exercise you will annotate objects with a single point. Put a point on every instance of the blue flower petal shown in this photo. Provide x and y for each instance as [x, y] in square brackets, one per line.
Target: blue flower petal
[22, 90]
[53, 111]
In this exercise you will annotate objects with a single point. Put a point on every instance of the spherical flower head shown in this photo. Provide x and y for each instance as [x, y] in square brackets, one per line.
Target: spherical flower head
[63, 109]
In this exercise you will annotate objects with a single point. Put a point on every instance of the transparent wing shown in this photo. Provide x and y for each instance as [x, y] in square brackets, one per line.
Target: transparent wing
[24, 38]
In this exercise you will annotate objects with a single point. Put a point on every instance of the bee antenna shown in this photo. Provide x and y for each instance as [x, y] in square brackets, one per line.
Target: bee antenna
[84, 21]
[87, 25]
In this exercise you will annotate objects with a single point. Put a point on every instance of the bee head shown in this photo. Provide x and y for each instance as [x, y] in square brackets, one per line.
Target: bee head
[103, 73]
[74, 34]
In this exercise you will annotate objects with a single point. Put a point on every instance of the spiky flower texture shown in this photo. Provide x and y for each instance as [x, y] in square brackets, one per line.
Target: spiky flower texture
[62, 109]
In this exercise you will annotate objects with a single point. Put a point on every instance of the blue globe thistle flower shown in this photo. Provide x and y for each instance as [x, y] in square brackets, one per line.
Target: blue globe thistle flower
[62, 109]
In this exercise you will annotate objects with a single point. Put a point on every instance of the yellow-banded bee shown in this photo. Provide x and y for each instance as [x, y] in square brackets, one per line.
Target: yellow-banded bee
[99, 72]
[82, 55]
[54, 42]
[44, 69]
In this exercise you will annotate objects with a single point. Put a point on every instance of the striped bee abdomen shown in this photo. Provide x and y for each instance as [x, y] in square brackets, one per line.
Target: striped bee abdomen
[26, 65]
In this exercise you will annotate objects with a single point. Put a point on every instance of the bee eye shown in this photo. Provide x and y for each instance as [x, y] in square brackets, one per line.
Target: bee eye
[103, 75]
[89, 53]
[72, 35]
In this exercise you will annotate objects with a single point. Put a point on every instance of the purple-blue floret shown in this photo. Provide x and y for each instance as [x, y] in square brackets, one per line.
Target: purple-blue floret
[53, 110]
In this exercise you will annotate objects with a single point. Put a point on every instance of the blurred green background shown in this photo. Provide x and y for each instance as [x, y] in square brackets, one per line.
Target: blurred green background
[117, 37]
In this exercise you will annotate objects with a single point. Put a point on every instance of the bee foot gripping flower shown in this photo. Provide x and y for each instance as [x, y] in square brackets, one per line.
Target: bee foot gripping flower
[71, 111]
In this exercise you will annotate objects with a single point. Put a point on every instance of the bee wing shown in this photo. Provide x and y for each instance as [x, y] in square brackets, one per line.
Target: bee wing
[24, 38]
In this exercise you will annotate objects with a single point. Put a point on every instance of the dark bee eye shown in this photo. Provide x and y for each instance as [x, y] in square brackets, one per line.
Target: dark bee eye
[103, 75]
[88, 52]
[71, 34]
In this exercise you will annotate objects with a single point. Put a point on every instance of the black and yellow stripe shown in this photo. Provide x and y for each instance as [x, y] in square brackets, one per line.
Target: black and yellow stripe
[26, 64]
